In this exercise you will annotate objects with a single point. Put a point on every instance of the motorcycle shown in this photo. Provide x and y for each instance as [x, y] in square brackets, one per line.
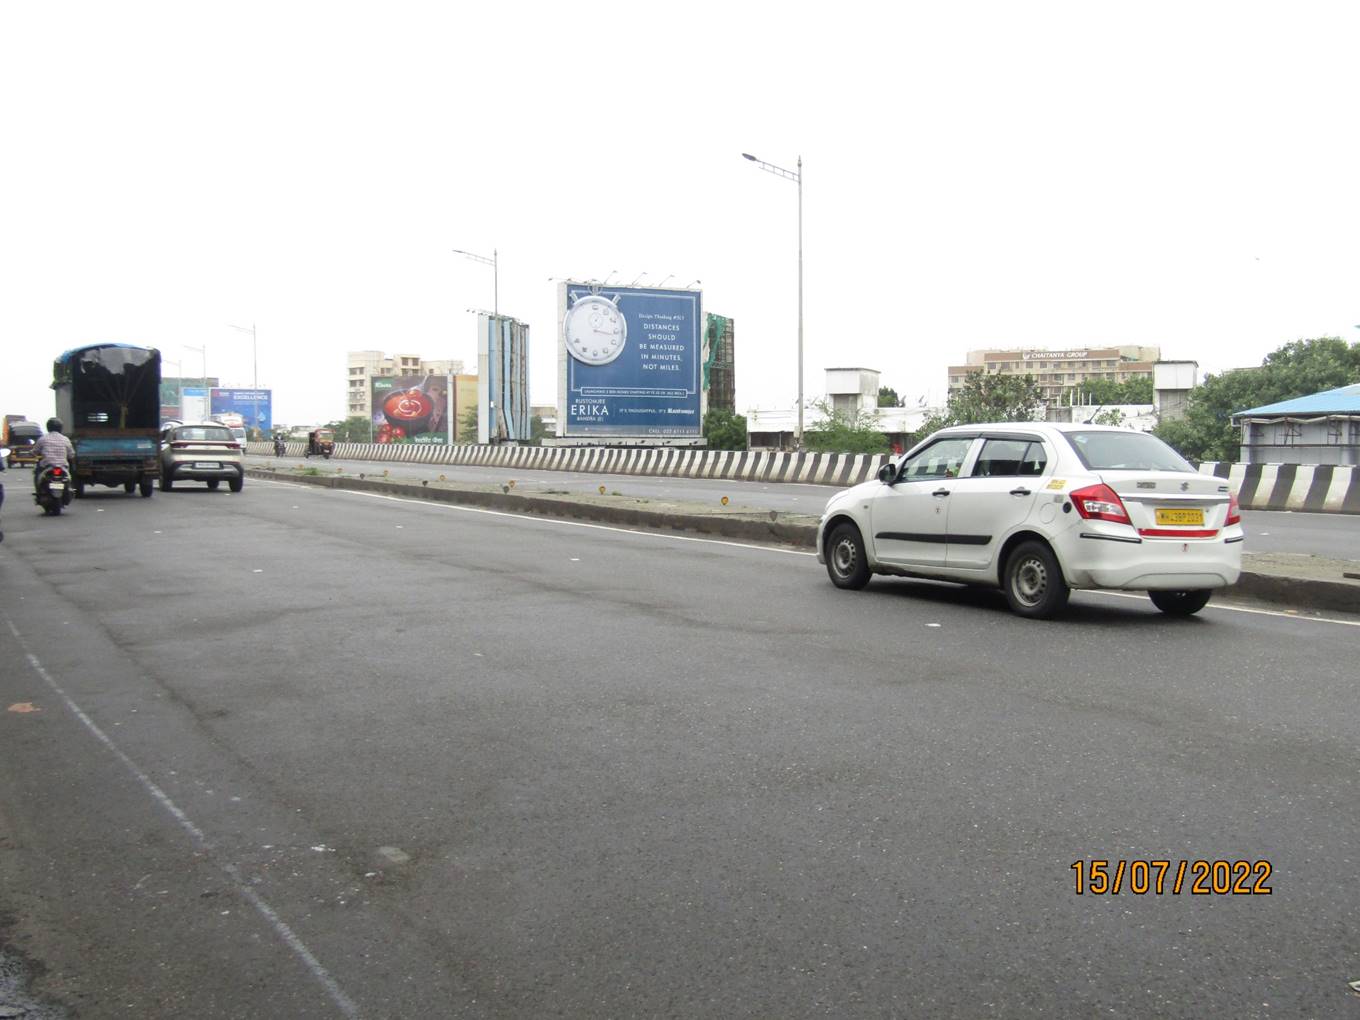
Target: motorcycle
[53, 489]
[280, 448]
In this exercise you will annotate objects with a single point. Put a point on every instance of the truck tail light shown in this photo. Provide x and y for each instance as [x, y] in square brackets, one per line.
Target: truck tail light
[1100, 503]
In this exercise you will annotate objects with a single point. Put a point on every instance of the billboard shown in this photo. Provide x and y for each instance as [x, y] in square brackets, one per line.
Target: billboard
[502, 379]
[193, 403]
[629, 362]
[412, 409]
[256, 407]
[464, 397]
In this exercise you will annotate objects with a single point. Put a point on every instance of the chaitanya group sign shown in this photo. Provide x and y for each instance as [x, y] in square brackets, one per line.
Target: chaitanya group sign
[629, 363]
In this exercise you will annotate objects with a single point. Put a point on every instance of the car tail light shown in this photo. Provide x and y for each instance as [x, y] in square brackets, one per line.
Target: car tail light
[1234, 511]
[1100, 503]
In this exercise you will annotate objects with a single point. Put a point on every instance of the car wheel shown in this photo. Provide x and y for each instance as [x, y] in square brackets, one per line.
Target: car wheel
[147, 487]
[1034, 582]
[1180, 603]
[846, 562]
[213, 483]
[236, 484]
[167, 483]
[128, 487]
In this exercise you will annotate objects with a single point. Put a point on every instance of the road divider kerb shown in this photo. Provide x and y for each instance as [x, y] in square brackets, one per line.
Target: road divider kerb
[800, 531]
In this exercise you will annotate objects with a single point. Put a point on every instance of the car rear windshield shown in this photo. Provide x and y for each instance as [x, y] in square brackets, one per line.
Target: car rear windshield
[1125, 451]
[202, 433]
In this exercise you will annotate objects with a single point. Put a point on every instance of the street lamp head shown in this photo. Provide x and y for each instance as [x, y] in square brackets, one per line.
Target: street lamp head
[747, 155]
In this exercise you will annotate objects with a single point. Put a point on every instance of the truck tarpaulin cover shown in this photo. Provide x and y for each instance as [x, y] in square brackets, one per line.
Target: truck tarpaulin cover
[112, 386]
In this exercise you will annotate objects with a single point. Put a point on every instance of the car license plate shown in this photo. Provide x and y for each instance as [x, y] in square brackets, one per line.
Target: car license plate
[1180, 517]
[206, 464]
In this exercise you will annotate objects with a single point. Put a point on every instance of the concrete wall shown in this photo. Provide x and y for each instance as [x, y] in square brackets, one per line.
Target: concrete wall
[1321, 487]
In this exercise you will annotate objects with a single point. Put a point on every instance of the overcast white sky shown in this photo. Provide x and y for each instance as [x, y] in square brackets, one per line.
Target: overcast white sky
[976, 174]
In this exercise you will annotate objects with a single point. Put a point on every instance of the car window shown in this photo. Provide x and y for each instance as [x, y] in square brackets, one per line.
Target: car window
[1001, 457]
[1035, 460]
[203, 433]
[1125, 451]
[938, 460]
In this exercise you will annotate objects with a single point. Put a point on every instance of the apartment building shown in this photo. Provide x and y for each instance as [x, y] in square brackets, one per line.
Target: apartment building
[1059, 371]
[365, 366]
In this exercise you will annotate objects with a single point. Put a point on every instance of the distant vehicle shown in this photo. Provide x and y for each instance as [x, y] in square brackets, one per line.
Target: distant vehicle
[109, 397]
[1037, 509]
[320, 443]
[52, 490]
[201, 453]
[19, 435]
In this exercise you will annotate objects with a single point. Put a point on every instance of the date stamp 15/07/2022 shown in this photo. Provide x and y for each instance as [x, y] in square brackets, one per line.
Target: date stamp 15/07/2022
[1161, 877]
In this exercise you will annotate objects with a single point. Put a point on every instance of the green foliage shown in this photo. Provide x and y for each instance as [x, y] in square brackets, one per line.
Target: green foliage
[845, 432]
[1297, 369]
[537, 430]
[1109, 391]
[354, 429]
[987, 397]
[467, 425]
[887, 397]
[725, 430]
[1109, 416]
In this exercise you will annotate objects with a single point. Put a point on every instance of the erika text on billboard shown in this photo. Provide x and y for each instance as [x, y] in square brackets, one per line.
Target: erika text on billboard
[254, 406]
[411, 409]
[630, 361]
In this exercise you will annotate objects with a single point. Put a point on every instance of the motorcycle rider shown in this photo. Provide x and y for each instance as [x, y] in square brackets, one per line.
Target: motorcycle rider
[53, 450]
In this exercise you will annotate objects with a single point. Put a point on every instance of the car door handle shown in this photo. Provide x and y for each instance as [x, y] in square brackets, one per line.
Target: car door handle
[940, 492]
[1022, 491]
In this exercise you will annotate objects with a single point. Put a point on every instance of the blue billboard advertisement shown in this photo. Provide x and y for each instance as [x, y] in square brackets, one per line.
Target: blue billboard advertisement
[630, 362]
[254, 406]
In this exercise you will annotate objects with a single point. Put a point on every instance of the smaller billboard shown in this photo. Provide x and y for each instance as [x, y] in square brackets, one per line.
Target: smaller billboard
[255, 407]
[412, 409]
[193, 403]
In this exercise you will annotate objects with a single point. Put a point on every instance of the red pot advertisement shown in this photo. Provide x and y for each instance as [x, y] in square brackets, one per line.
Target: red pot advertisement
[411, 409]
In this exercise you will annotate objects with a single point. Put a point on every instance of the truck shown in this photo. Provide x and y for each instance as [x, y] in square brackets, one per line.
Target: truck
[19, 434]
[108, 396]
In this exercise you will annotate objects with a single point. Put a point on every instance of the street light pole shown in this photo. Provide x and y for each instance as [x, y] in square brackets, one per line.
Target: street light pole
[494, 263]
[797, 177]
[203, 351]
[254, 370]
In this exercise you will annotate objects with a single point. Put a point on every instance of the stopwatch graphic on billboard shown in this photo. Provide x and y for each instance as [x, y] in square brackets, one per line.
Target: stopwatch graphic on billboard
[629, 362]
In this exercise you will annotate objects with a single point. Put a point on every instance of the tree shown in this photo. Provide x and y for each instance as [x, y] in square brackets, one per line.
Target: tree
[854, 431]
[354, 429]
[1109, 391]
[1297, 369]
[537, 430]
[887, 397]
[725, 430]
[467, 424]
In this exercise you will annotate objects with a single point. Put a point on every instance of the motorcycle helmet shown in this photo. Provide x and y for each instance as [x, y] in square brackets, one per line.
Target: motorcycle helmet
[55, 425]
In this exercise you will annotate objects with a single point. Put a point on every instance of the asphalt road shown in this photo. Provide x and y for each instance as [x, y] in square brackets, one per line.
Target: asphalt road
[1336, 536]
[305, 753]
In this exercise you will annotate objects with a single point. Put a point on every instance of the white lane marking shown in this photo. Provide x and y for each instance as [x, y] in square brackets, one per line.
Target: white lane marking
[427, 504]
[765, 548]
[1235, 609]
[337, 995]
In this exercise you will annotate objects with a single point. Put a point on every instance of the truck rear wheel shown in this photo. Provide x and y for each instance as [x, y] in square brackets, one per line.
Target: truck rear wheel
[128, 487]
[147, 486]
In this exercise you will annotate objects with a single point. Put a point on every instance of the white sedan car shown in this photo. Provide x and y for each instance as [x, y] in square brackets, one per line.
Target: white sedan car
[1038, 509]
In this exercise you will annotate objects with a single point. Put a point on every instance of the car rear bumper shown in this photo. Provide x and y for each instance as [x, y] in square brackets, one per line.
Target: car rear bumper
[187, 471]
[1094, 558]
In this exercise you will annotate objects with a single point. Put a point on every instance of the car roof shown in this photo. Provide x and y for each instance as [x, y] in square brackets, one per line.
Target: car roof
[1029, 426]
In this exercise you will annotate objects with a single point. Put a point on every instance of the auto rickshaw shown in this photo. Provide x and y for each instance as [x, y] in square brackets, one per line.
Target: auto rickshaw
[22, 435]
[321, 443]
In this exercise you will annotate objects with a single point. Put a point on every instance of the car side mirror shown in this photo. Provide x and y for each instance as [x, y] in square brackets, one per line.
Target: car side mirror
[887, 474]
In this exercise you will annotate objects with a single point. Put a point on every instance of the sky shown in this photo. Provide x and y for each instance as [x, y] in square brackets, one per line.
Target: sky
[975, 175]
